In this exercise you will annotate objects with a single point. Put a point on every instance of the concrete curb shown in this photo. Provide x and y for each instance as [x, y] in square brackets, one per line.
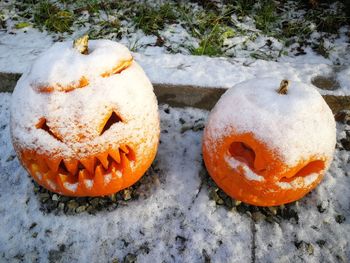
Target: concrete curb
[185, 95]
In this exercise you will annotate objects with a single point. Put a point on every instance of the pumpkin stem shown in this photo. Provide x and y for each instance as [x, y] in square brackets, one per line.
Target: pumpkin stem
[283, 89]
[81, 44]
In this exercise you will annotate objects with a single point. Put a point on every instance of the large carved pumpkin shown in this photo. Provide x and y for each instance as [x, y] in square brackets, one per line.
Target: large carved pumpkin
[267, 146]
[85, 122]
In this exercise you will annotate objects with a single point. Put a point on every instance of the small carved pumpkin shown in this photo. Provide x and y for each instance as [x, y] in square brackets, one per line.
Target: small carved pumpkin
[267, 146]
[85, 123]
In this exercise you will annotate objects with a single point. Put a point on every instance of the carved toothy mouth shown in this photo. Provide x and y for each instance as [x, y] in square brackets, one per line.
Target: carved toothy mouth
[81, 176]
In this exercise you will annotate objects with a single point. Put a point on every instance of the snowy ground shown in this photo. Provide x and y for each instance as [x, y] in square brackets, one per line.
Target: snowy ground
[18, 51]
[181, 215]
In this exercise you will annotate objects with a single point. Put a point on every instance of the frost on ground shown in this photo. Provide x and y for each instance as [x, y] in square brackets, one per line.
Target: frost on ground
[180, 216]
[282, 39]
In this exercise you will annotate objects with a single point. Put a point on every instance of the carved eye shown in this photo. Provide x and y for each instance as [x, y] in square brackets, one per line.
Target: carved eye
[243, 153]
[43, 125]
[113, 118]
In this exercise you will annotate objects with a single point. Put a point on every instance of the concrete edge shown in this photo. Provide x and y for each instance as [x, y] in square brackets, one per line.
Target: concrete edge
[185, 95]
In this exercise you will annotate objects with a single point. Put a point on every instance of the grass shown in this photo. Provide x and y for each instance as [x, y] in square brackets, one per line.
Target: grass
[51, 17]
[150, 19]
[266, 16]
[210, 24]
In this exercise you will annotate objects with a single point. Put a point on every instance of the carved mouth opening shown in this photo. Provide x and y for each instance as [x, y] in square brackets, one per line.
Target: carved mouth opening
[311, 168]
[104, 167]
[243, 153]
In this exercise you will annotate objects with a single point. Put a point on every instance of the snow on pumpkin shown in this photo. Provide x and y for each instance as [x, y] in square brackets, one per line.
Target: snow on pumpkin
[266, 145]
[84, 119]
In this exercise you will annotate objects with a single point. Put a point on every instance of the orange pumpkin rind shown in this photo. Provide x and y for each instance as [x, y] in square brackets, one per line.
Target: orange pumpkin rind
[266, 146]
[94, 141]
[103, 174]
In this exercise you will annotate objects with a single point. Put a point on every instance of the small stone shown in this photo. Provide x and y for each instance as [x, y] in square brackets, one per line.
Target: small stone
[309, 249]
[113, 197]
[343, 116]
[55, 197]
[321, 242]
[198, 127]
[10, 158]
[273, 210]
[36, 189]
[32, 225]
[35, 234]
[182, 121]
[130, 258]
[80, 209]
[126, 194]
[214, 196]
[186, 127]
[340, 219]
[94, 202]
[61, 206]
[44, 197]
[72, 205]
[322, 207]
[258, 216]
[228, 202]
[91, 210]
[345, 143]
[237, 202]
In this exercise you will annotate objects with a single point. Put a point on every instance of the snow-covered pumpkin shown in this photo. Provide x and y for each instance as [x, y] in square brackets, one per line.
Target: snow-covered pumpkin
[268, 143]
[84, 119]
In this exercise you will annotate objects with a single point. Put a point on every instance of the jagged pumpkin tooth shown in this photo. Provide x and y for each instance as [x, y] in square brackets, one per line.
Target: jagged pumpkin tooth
[83, 174]
[124, 148]
[65, 184]
[60, 180]
[85, 182]
[89, 164]
[71, 165]
[115, 155]
[103, 157]
[117, 173]
[126, 164]
[53, 164]
[99, 177]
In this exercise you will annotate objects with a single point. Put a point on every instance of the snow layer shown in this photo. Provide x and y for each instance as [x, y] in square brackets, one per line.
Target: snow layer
[294, 126]
[18, 51]
[177, 222]
[82, 112]
[63, 65]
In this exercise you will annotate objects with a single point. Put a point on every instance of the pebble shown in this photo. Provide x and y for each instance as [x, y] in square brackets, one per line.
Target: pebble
[55, 197]
[130, 258]
[80, 209]
[340, 219]
[343, 116]
[72, 205]
[126, 194]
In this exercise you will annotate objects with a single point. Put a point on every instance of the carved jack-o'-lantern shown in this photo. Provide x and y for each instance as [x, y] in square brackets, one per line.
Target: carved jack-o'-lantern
[85, 123]
[267, 146]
